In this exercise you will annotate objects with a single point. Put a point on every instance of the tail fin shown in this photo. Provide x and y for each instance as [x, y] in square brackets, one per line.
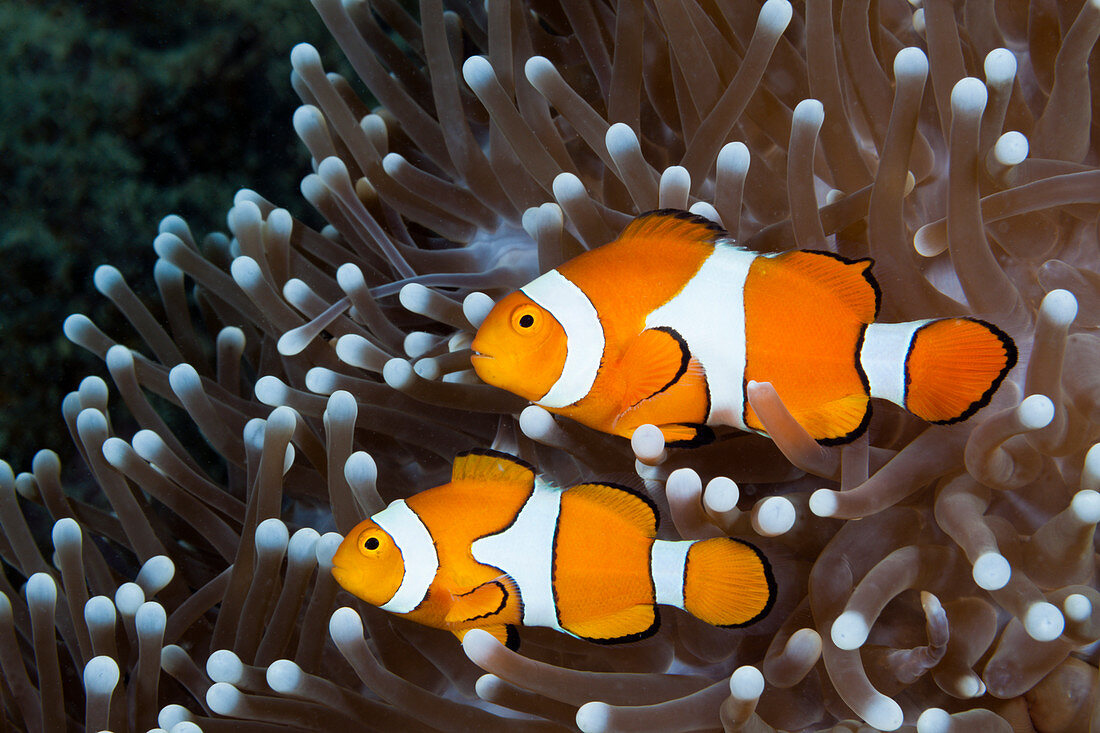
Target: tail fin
[954, 366]
[727, 582]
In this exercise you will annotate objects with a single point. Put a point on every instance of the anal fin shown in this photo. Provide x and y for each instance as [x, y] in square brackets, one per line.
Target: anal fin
[631, 624]
[832, 423]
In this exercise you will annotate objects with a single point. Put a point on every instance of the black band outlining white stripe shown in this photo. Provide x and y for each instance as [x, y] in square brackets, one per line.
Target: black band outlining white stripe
[524, 551]
[883, 355]
[583, 332]
[418, 553]
[717, 339]
[667, 560]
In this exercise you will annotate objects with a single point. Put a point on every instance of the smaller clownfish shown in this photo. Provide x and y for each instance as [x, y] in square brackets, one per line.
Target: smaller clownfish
[499, 547]
[669, 323]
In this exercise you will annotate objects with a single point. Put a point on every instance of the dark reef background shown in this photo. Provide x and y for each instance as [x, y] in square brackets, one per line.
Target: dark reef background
[115, 113]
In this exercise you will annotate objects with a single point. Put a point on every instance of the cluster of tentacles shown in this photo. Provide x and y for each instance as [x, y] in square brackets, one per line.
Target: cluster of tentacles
[936, 577]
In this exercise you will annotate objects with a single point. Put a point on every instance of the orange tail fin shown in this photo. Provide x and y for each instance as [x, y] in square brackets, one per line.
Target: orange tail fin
[954, 367]
[727, 582]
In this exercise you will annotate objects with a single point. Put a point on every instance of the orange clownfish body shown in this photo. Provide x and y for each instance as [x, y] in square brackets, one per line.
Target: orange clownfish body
[498, 547]
[668, 323]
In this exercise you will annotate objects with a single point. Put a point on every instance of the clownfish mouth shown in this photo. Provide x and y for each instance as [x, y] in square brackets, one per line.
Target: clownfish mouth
[339, 573]
[482, 365]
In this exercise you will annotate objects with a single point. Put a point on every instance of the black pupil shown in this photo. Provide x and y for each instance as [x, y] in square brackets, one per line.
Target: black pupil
[371, 543]
[526, 320]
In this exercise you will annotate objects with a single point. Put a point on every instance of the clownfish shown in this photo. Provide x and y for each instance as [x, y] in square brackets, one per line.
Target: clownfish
[668, 323]
[499, 547]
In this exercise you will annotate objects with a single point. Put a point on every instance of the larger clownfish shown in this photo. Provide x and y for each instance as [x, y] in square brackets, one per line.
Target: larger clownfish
[668, 323]
[498, 547]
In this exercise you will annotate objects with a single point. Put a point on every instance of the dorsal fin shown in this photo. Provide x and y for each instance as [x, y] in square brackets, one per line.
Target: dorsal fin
[850, 280]
[673, 223]
[627, 503]
[484, 464]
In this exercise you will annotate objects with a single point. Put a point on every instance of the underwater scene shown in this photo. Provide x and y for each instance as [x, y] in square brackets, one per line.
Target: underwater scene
[677, 365]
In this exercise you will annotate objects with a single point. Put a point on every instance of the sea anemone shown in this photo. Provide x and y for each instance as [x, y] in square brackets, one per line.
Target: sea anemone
[941, 576]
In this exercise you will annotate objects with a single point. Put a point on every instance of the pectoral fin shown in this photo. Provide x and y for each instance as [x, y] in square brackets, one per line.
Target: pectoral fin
[656, 360]
[678, 408]
[484, 601]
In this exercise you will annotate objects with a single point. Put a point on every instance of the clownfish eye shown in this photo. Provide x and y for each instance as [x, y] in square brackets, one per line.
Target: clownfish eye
[525, 320]
[369, 542]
